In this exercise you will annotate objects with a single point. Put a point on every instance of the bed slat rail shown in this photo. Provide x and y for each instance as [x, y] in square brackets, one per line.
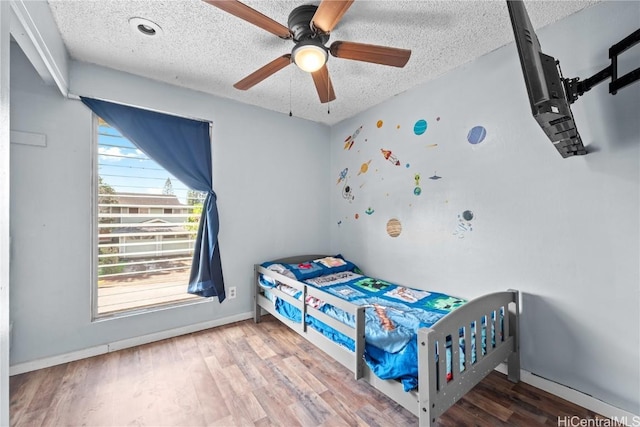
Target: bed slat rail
[355, 332]
[498, 343]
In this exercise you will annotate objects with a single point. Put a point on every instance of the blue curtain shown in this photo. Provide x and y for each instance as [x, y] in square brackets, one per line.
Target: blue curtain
[183, 147]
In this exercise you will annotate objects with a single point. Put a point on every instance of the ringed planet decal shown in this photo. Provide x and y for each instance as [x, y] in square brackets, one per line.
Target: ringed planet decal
[364, 167]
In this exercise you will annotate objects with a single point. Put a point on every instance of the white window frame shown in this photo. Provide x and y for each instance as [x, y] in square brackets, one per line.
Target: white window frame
[95, 316]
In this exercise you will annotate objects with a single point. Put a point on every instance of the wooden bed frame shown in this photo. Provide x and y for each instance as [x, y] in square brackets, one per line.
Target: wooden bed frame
[435, 396]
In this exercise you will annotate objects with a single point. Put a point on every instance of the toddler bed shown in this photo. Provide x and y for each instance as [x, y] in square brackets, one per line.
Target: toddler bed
[423, 349]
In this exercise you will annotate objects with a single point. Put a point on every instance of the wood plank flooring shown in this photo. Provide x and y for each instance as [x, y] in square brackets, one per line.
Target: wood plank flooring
[247, 375]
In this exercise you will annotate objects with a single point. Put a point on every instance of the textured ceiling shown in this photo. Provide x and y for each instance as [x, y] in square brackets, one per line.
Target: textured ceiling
[206, 49]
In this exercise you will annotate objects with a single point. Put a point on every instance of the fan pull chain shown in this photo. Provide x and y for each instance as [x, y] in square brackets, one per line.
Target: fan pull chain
[290, 112]
[328, 96]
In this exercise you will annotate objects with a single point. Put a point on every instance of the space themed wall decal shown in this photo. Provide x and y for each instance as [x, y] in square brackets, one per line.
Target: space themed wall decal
[351, 139]
[464, 224]
[364, 168]
[394, 227]
[347, 192]
[403, 191]
[476, 135]
[417, 190]
[343, 175]
[388, 155]
[420, 127]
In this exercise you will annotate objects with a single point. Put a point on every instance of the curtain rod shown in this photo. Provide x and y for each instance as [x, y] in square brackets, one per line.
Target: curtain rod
[75, 97]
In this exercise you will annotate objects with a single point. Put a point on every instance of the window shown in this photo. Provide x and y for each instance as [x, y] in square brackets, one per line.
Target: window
[147, 222]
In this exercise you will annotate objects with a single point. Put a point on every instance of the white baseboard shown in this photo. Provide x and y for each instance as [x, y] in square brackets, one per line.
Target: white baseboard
[47, 362]
[574, 396]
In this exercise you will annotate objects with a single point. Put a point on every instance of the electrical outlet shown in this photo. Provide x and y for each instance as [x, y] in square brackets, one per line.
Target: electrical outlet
[232, 292]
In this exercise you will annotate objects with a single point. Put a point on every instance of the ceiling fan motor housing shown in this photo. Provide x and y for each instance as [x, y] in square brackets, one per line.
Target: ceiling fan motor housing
[299, 24]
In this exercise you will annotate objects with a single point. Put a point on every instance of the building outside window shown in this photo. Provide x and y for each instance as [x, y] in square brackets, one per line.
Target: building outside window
[147, 222]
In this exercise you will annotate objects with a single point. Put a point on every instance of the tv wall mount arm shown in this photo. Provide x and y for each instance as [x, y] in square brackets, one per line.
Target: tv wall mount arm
[576, 88]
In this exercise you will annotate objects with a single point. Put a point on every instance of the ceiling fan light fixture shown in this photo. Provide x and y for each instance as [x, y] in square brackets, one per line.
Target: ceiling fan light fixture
[309, 56]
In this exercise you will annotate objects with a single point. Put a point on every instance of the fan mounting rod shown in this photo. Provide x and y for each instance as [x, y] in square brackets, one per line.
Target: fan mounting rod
[299, 23]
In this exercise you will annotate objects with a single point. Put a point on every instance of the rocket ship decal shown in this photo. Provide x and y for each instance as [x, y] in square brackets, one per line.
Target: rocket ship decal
[388, 155]
[348, 142]
[343, 175]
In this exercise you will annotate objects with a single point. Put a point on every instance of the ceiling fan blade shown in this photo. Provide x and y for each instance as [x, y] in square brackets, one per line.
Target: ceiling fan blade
[323, 85]
[329, 13]
[264, 72]
[392, 56]
[252, 16]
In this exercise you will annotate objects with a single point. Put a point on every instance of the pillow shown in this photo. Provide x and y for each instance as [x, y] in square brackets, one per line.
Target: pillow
[313, 268]
[269, 282]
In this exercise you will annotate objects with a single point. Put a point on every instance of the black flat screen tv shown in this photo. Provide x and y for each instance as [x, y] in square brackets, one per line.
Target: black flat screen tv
[550, 104]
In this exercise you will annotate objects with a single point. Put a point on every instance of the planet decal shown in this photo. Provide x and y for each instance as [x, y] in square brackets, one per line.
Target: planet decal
[417, 191]
[364, 167]
[476, 135]
[420, 127]
[379, 123]
[407, 166]
[357, 216]
[437, 119]
[398, 127]
[394, 227]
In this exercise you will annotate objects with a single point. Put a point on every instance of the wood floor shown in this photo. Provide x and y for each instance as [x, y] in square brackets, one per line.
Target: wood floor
[243, 375]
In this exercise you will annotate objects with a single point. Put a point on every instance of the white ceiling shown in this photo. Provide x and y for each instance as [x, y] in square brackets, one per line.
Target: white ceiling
[206, 49]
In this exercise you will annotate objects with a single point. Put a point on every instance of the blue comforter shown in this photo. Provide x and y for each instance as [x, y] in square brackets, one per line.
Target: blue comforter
[393, 316]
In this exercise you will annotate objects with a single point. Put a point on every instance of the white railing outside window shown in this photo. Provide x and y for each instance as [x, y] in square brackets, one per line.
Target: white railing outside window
[146, 229]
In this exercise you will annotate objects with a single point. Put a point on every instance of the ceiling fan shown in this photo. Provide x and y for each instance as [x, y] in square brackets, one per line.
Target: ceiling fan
[309, 28]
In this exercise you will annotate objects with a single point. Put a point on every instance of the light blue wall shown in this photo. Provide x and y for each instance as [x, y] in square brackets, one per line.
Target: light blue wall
[257, 155]
[562, 231]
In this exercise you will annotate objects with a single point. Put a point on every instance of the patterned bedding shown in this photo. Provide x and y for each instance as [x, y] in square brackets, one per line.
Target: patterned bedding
[393, 313]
